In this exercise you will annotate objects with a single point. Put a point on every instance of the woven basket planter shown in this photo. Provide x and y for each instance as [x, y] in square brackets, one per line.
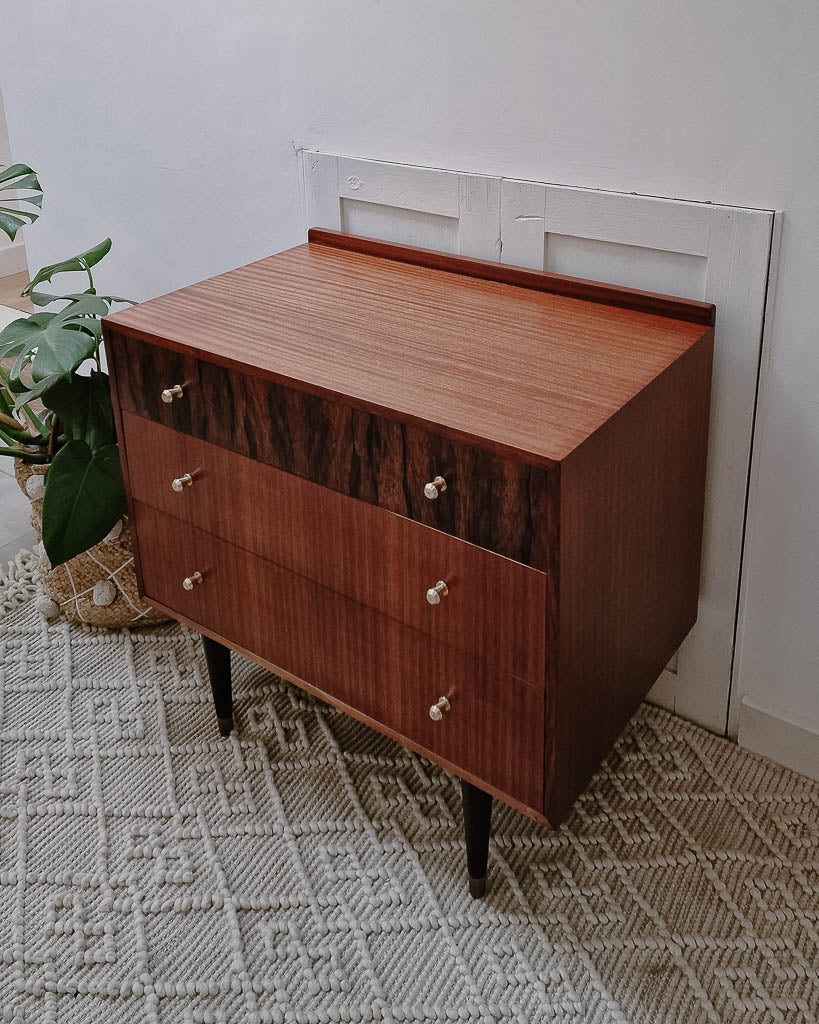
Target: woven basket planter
[98, 587]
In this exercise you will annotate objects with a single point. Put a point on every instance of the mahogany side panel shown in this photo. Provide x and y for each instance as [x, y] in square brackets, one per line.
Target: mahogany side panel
[495, 607]
[691, 310]
[631, 514]
[497, 503]
[390, 673]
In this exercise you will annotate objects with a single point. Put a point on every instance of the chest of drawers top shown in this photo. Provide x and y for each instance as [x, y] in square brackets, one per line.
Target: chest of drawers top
[324, 397]
[520, 362]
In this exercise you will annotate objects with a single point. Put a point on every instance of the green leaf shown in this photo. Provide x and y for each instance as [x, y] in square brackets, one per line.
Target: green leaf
[83, 407]
[17, 171]
[84, 497]
[10, 223]
[52, 342]
[81, 262]
[42, 298]
[42, 387]
[12, 218]
[29, 215]
[46, 298]
[13, 427]
[14, 386]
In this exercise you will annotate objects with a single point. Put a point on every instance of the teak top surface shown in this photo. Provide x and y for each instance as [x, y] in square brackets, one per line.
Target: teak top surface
[511, 367]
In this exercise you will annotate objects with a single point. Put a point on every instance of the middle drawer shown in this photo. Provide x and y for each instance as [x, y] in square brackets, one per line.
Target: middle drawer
[494, 607]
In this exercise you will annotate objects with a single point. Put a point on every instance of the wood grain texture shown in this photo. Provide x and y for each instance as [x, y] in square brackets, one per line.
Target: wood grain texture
[495, 607]
[510, 369]
[494, 502]
[574, 441]
[631, 513]
[390, 673]
[614, 295]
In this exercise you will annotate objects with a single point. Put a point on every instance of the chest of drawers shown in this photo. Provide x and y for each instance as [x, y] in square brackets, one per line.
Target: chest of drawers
[462, 502]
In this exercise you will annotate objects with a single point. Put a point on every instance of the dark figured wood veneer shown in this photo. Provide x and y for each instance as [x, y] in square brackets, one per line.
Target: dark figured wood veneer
[321, 389]
[491, 501]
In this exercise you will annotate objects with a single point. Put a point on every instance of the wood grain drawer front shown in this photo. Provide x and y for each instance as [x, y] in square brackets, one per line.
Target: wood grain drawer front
[384, 669]
[492, 501]
[495, 607]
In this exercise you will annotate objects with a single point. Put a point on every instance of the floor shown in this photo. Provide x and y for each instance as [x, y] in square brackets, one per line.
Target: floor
[307, 869]
[10, 288]
[15, 528]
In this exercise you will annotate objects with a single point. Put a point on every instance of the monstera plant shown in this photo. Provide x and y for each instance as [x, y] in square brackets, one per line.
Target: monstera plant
[55, 406]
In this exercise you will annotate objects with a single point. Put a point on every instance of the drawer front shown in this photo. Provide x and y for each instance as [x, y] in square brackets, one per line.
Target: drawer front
[387, 671]
[494, 607]
[491, 501]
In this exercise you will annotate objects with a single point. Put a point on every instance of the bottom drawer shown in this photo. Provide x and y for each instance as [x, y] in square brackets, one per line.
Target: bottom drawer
[385, 670]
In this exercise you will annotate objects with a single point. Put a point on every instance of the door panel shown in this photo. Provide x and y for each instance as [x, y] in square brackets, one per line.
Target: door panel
[696, 250]
[716, 253]
[436, 209]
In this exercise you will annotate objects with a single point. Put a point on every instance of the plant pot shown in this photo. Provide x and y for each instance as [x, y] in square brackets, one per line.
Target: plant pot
[98, 587]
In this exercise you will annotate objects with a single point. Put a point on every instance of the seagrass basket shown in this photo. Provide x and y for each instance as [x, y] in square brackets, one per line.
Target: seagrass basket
[98, 587]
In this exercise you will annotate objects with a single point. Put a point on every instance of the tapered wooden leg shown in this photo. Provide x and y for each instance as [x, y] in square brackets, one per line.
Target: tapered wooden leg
[477, 824]
[217, 657]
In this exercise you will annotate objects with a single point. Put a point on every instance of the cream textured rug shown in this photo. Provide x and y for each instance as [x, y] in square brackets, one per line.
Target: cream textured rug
[309, 870]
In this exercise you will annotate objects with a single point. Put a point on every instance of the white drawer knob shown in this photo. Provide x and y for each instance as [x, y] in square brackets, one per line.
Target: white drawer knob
[434, 594]
[169, 394]
[190, 582]
[434, 488]
[436, 712]
[181, 482]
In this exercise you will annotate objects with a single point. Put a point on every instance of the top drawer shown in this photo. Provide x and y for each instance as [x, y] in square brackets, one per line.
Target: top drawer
[494, 502]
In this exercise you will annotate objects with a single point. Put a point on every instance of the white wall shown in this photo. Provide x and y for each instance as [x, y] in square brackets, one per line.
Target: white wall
[12, 254]
[174, 127]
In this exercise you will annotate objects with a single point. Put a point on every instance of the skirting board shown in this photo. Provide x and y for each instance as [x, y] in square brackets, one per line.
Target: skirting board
[794, 745]
[12, 259]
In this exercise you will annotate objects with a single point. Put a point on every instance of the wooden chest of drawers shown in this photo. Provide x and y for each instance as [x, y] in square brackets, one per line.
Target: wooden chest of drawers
[461, 501]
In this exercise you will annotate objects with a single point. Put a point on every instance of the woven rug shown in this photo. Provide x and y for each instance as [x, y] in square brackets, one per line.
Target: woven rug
[309, 870]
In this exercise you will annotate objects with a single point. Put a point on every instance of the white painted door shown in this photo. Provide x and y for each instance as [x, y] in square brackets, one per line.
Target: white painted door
[444, 210]
[695, 250]
[699, 251]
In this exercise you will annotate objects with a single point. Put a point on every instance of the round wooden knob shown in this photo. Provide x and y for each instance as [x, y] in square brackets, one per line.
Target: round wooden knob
[436, 712]
[181, 482]
[169, 394]
[434, 488]
[434, 594]
[191, 581]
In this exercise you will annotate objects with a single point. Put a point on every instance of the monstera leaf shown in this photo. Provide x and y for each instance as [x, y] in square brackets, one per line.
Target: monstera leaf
[53, 344]
[81, 263]
[46, 298]
[19, 178]
[82, 406]
[84, 497]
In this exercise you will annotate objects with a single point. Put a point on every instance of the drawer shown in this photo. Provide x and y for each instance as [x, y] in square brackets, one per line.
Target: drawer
[369, 661]
[491, 501]
[495, 608]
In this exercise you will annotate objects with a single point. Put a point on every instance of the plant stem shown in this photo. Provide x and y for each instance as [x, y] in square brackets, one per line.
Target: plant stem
[35, 424]
[4, 380]
[8, 438]
[90, 278]
[9, 421]
[52, 437]
[15, 436]
[24, 453]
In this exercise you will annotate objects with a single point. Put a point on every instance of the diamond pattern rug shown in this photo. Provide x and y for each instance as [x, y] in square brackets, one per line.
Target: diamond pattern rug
[307, 869]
